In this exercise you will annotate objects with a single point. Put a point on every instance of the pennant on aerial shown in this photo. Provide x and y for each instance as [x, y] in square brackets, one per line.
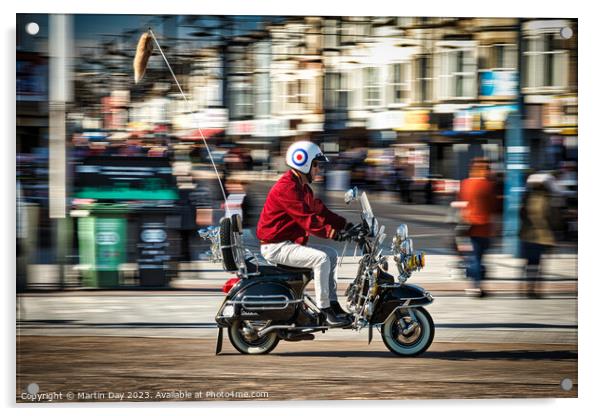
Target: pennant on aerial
[143, 53]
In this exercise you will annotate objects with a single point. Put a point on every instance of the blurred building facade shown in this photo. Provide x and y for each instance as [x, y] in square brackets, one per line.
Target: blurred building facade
[443, 84]
[434, 91]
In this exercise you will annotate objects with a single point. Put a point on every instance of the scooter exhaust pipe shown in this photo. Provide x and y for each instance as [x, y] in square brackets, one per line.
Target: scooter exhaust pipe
[301, 329]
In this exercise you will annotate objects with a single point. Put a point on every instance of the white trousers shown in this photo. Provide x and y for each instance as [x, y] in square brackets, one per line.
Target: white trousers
[322, 260]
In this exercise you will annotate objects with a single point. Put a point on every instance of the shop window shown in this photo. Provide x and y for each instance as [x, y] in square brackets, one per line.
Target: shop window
[331, 34]
[335, 91]
[546, 63]
[356, 29]
[372, 93]
[423, 82]
[499, 57]
[261, 79]
[293, 96]
[331, 82]
[457, 73]
[262, 94]
[399, 83]
[241, 99]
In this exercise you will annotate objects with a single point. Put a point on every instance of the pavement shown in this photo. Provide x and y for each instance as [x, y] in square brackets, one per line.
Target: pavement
[441, 276]
[191, 314]
[187, 308]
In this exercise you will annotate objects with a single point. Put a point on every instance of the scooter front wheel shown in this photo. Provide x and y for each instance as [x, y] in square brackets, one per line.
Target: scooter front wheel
[243, 337]
[406, 337]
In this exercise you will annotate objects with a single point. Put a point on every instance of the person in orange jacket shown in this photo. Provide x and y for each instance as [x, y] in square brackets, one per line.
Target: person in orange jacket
[478, 191]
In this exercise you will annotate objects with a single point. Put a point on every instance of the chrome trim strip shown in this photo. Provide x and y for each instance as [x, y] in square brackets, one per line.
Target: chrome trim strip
[260, 303]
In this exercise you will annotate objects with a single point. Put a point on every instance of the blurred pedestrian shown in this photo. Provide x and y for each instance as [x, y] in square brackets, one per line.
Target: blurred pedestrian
[429, 192]
[460, 238]
[404, 180]
[478, 191]
[563, 186]
[539, 219]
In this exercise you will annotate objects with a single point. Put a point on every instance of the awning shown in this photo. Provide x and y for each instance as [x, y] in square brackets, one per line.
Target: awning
[195, 135]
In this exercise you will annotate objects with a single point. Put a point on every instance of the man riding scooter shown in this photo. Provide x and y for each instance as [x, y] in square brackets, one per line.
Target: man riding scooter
[290, 215]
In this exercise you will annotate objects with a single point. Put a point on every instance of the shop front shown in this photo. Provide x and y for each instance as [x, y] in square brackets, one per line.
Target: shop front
[127, 212]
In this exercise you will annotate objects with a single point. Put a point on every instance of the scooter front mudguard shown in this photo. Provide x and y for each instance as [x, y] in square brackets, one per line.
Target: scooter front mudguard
[407, 296]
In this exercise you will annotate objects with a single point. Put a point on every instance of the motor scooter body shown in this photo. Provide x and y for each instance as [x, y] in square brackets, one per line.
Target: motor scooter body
[268, 303]
[273, 295]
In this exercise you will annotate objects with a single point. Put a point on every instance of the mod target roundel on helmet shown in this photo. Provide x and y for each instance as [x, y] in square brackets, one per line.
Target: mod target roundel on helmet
[301, 154]
[299, 157]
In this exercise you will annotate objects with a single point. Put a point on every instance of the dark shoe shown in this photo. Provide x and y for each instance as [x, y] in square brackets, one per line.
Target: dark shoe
[332, 319]
[338, 309]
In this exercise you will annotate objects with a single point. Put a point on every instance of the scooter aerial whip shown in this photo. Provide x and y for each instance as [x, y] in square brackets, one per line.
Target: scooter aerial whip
[143, 53]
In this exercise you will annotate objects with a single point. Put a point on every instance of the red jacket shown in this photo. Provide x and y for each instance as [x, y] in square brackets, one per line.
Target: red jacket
[291, 213]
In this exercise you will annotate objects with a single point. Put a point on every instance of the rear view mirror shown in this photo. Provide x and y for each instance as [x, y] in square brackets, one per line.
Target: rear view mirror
[351, 195]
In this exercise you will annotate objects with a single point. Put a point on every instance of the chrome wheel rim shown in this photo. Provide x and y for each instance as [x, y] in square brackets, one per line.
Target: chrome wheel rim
[253, 326]
[411, 338]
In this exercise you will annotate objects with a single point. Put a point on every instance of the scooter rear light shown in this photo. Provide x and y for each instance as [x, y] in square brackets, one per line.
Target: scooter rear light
[229, 284]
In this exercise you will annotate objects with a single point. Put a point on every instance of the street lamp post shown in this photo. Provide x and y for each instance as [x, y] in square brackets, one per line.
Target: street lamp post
[60, 93]
[517, 162]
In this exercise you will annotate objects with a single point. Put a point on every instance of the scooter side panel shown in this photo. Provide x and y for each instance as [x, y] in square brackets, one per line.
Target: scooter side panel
[262, 299]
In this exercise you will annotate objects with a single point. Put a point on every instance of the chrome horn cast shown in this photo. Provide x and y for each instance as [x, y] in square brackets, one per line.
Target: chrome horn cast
[405, 259]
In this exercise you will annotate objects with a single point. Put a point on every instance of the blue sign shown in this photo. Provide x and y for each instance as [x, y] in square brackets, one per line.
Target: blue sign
[499, 83]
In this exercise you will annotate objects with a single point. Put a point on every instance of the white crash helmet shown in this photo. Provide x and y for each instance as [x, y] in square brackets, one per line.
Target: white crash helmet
[301, 154]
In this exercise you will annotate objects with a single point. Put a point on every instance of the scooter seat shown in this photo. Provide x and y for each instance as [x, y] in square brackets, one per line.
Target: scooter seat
[280, 272]
[294, 269]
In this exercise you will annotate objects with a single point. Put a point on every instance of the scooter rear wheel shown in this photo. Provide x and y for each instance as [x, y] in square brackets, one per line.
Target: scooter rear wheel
[242, 337]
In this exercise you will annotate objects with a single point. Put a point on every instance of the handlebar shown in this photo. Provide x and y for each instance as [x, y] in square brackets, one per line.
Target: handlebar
[355, 233]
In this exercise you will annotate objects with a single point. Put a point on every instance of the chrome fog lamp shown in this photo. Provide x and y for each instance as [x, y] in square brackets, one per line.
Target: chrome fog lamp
[407, 247]
[402, 232]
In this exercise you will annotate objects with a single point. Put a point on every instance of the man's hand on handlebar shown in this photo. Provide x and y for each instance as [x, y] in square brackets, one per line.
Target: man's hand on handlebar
[339, 236]
[350, 232]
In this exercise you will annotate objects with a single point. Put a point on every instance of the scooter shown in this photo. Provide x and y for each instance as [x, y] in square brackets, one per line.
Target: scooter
[267, 303]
